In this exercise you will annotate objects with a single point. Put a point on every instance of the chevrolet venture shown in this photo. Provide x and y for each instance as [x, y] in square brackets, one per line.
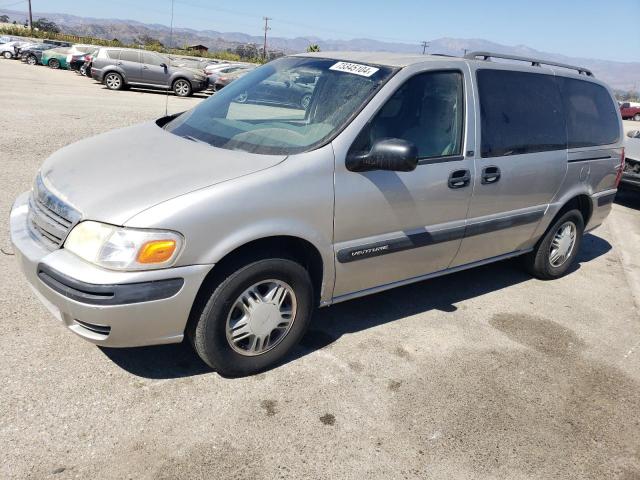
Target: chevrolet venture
[231, 222]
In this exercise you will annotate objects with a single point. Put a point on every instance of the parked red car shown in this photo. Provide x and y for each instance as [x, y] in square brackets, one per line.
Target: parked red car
[629, 112]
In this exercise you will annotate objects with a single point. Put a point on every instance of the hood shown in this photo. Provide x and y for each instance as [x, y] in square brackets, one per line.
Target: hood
[116, 175]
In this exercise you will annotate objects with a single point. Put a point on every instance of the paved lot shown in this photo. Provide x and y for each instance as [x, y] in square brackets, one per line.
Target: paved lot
[480, 375]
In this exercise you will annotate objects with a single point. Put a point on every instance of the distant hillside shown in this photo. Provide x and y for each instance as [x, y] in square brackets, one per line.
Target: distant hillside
[620, 75]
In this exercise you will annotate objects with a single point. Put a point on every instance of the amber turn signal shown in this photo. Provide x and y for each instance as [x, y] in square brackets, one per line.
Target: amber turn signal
[156, 251]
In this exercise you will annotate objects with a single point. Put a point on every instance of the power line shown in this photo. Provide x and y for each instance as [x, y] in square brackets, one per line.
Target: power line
[12, 4]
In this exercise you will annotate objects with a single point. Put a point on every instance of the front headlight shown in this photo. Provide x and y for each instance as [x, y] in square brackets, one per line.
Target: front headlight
[121, 248]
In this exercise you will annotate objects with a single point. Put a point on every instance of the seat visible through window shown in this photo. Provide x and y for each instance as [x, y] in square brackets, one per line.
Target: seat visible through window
[427, 111]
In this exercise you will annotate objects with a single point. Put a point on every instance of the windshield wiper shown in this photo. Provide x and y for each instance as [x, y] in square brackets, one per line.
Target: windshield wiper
[194, 139]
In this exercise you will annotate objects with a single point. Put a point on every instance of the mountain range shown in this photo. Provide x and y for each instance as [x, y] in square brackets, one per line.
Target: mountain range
[619, 75]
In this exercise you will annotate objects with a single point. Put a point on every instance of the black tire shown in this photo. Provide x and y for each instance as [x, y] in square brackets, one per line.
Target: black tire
[207, 330]
[54, 63]
[182, 87]
[636, 117]
[114, 81]
[538, 262]
[32, 60]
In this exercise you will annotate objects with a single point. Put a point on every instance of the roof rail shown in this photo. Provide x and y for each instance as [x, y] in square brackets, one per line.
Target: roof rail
[534, 61]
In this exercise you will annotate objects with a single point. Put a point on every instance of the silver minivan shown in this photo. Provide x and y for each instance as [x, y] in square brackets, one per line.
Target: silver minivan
[231, 222]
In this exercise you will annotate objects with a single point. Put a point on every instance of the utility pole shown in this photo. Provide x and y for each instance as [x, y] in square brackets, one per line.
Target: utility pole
[424, 47]
[30, 18]
[465, 51]
[266, 28]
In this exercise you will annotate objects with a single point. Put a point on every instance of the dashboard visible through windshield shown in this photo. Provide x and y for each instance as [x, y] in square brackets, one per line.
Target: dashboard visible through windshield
[287, 106]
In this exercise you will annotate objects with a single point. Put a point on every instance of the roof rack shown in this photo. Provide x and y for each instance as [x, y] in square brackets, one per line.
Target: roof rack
[534, 61]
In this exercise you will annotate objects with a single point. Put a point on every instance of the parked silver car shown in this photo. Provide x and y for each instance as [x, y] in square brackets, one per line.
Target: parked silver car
[231, 222]
[118, 68]
[631, 175]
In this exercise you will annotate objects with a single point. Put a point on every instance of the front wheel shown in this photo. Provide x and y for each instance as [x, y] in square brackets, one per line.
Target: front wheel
[254, 317]
[7, 55]
[557, 250]
[182, 88]
[32, 60]
[636, 117]
[54, 63]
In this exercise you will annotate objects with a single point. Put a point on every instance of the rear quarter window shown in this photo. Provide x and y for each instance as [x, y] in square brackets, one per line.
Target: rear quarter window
[592, 116]
[521, 113]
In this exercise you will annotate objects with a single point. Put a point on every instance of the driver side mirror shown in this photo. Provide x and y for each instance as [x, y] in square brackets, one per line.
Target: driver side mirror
[391, 154]
[164, 65]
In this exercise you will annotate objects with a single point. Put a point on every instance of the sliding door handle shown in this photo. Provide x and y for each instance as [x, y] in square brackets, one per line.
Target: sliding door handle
[490, 175]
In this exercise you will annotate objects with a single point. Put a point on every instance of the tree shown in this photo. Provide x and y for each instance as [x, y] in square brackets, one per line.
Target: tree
[46, 25]
[4, 18]
[148, 41]
[313, 48]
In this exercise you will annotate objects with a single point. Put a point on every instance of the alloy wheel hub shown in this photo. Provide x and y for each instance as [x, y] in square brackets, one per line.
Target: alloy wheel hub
[261, 317]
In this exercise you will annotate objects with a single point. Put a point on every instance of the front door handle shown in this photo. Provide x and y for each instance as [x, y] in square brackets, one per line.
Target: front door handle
[489, 175]
[459, 178]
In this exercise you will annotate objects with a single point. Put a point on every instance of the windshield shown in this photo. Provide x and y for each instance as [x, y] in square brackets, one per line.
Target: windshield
[287, 106]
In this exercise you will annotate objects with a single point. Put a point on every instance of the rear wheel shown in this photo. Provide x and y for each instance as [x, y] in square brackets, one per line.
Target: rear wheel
[558, 249]
[54, 63]
[32, 60]
[305, 101]
[113, 81]
[636, 117]
[7, 55]
[254, 317]
[182, 87]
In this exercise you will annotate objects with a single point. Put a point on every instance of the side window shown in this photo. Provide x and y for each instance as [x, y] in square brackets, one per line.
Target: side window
[113, 54]
[129, 56]
[520, 113]
[592, 116]
[428, 110]
[151, 59]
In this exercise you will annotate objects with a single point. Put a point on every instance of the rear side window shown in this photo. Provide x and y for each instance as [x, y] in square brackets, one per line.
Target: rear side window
[592, 116]
[129, 56]
[520, 112]
[113, 54]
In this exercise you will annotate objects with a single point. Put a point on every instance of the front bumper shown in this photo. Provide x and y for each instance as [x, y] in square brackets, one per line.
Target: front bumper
[115, 311]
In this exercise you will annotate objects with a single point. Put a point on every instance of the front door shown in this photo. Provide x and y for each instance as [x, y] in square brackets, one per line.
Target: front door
[521, 163]
[394, 226]
[155, 70]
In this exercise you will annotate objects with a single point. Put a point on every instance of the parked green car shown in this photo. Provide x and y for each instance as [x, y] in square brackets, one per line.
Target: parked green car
[55, 58]
[60, 57]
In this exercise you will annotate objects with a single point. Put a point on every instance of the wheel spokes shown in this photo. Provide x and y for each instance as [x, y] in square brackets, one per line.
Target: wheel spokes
[261, 317]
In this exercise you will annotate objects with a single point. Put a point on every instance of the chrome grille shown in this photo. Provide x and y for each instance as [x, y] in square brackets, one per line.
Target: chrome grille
[50, 219]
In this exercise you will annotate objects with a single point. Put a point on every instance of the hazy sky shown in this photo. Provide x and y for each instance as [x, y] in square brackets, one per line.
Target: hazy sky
[587, 28]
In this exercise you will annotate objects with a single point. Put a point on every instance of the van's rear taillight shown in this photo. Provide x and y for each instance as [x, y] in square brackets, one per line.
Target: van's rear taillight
[620, 168]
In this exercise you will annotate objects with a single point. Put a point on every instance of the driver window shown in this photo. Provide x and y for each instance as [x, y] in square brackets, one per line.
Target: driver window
[427, 110]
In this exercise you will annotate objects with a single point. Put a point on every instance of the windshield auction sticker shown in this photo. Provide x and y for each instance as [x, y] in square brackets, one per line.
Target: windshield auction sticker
[355, 68]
